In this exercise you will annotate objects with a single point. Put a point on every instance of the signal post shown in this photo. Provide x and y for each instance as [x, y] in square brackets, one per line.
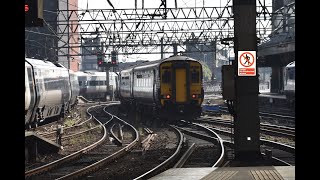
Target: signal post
[33, 11]
[107, 65]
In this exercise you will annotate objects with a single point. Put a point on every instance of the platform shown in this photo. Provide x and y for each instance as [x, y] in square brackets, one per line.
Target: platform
[35, 144]
[44, 142]
[229, 173]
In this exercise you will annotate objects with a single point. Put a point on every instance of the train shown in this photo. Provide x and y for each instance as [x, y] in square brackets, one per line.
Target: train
[93, 85]
[51, 91]
[289, 82]
[169, 89]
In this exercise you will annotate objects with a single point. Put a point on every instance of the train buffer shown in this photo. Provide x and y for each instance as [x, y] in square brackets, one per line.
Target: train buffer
[36, 144]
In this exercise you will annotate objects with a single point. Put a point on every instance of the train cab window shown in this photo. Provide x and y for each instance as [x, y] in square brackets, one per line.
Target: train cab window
[195, 76]
[80, 83]
[166, 76]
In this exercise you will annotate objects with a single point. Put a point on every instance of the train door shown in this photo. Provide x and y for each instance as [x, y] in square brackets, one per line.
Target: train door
[181, 87]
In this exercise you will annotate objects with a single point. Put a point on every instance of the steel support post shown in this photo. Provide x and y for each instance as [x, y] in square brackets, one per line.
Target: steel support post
[246, 117]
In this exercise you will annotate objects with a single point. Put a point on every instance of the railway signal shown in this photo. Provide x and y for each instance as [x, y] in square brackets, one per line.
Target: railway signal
[100, 59]
[114, 57]
[33, 10]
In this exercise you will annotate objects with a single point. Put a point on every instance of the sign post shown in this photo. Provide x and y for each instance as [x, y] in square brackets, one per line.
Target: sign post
[247, 63]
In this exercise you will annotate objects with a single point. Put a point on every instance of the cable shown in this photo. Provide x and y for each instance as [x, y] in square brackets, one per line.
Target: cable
[111, 5]
[39, 33]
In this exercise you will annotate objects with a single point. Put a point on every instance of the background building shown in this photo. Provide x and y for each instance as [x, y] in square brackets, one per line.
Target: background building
[69, 35]
[55, 41]
[89, 50]
[41, 42]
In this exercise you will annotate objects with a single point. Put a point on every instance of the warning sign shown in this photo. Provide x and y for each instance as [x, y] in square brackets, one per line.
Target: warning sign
[246, 63]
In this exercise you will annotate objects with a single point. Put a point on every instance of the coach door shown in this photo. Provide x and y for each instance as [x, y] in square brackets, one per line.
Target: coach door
[181, 85]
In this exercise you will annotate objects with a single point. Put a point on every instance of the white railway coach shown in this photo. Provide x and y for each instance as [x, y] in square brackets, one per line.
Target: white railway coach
[93, 84]
[50, 91]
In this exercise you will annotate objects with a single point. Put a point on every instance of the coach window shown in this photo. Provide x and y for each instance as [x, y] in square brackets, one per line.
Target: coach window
[166, 76]
[195, 76]
[291, 73]
[139, 80]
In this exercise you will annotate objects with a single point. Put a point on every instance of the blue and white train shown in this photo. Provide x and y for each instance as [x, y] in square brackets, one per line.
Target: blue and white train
[289, 82]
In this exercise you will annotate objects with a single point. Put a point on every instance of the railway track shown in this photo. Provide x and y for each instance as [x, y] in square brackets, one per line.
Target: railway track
[159, 148]
[281, 154]
[71, 157]
[281, 131]
[90, 160]
[205, 147]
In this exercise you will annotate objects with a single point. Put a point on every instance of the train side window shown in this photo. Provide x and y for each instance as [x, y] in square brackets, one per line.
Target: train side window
[195, 76]
[80, 83]
[291, 73]
[166, 76]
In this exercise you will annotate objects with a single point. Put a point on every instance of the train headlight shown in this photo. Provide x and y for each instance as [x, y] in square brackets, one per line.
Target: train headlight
[168, 96]
[194, 96]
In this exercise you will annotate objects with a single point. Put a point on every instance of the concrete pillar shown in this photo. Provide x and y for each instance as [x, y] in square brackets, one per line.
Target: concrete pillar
[246, 116]
[276, 77]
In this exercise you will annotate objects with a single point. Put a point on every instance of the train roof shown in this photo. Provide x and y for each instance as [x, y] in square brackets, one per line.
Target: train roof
[175, 58]
[39, 62]
[94, 73]
[43, 64]
[179, 58]
[292, 64]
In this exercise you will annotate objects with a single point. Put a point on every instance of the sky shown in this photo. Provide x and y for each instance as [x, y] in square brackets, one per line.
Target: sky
[130, 4]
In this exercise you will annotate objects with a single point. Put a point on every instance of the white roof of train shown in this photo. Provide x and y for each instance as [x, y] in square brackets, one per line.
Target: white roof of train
[292, 64]
[94, 73]
[39, 62]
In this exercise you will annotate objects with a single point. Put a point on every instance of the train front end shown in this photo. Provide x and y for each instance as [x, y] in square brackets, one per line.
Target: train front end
[181, 92]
